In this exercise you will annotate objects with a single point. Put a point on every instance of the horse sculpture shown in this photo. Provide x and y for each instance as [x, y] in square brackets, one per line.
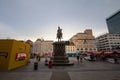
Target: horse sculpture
[59, 34]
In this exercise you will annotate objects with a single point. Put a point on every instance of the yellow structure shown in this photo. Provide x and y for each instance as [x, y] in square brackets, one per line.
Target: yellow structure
[13, 54]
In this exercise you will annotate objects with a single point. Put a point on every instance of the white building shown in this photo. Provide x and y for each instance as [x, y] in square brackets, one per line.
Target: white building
[70, 48]
[108, 42]
[42, 47]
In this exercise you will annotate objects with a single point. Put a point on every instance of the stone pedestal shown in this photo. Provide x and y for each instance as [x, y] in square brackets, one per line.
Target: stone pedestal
[59, 48]
[59, 55]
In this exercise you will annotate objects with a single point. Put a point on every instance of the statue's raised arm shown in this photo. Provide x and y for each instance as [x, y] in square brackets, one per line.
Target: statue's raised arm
[59, 34]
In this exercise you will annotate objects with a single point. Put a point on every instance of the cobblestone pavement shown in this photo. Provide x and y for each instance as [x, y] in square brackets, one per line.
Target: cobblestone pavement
[79, 71]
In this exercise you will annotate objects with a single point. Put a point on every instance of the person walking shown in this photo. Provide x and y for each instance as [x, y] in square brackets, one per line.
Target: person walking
[81, 57]
[78, 55]
[92, 57]
[115, 56]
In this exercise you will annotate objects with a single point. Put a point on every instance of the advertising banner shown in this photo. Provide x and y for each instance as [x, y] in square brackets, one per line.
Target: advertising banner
[21, 56]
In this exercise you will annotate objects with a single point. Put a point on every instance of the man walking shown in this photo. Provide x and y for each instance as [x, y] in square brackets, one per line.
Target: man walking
[78, 55]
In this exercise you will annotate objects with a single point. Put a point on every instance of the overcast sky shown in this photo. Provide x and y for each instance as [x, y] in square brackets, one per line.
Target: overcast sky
[32, 19]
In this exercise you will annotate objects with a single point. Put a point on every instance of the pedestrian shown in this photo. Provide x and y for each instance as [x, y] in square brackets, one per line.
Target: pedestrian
[81, 57]
[115, 57]
[78, 55]
[38, 57]
[102, 56]
[46, 58]
[92, 57]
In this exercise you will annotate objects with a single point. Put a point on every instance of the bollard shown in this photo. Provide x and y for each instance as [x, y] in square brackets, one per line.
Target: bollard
[35, 65]
[50, 64]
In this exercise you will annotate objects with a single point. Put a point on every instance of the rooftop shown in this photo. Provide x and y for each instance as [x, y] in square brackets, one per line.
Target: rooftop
[114, 14]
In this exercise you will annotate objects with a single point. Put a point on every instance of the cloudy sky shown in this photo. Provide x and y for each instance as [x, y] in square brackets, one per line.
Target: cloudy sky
[32, 19]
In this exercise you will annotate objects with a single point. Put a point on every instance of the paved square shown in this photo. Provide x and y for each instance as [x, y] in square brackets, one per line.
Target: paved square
[80, 71]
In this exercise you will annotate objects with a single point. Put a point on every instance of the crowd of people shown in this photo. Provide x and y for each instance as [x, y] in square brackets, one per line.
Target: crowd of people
[90, 56]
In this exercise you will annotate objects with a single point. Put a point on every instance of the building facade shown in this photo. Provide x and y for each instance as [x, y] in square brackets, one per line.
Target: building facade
[108, 42]
[70, 48]
[42, 47]
[113, 23]
[84, 41]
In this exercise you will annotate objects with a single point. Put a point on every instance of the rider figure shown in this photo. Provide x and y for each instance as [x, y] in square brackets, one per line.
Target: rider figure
[59, 33]
[59, 30]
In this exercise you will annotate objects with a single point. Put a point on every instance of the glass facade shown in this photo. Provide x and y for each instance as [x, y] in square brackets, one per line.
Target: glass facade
[113, 23]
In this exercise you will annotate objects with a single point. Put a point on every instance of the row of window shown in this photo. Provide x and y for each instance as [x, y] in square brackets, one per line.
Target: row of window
[114, 43]
[113, 35]
[81, 49]
[111, 38]
[117, 35]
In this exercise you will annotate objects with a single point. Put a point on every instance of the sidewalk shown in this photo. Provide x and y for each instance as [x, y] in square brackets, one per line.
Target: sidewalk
[80, 71]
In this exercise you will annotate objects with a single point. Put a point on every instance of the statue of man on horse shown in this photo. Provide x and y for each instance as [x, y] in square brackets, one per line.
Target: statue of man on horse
[59, 34]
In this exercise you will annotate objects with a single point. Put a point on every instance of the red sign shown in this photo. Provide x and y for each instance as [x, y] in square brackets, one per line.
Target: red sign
[21, 56]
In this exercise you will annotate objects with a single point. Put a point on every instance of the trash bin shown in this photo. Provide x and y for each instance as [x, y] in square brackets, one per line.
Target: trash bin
[35, 65]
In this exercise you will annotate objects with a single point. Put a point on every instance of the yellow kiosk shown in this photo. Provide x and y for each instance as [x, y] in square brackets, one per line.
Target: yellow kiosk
[13, 54]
